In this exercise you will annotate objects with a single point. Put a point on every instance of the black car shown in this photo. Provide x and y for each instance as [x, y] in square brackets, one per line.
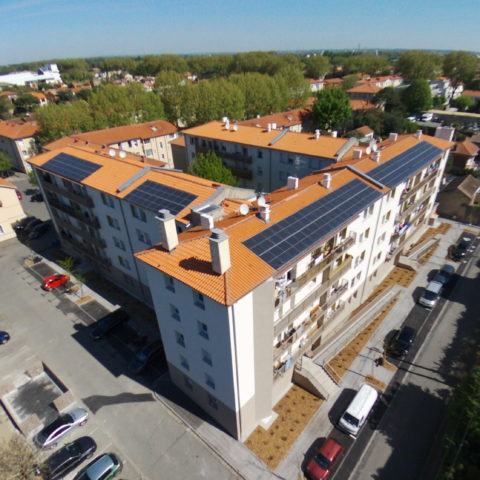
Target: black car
[31, 226]
[402, 341]
[67, 458]
[37, 197]
[38, 230]
[23, 223]
[108, 323]
[144, 356]
[461, 248]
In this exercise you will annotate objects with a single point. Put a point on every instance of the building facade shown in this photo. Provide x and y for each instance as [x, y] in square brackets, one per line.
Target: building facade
[10, 209]
[17, 141]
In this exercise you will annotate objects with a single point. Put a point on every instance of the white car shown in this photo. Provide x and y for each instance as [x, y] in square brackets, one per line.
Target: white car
[50, 434]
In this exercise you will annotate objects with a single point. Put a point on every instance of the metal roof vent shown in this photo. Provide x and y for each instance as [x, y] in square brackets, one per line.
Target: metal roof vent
[327, 180]
[292, 183]
[393, 137]
[357, 153]
[317, 134]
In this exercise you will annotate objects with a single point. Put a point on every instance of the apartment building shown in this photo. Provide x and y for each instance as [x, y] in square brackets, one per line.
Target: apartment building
[10, 209]
[245, 300]
[263, 158]
[150, 140]
[291, 120]
[103, 203]
[17, 141]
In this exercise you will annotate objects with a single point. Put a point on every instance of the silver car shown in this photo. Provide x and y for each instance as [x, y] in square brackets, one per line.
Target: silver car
[50, 434]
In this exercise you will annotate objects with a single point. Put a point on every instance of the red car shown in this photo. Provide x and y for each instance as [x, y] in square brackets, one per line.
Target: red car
[55, 281]
[323, 461]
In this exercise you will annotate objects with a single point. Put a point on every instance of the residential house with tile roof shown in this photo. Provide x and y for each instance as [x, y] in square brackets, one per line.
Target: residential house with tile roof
[18, 142]
[150, 139]
[10, 209]
[464, 156]
[246, 300]
[291, 120]
[364, 91]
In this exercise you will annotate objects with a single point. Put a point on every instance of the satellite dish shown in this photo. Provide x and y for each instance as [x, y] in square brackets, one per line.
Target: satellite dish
[261, 201]
[122, 154]
[111, 152]
[244, 208]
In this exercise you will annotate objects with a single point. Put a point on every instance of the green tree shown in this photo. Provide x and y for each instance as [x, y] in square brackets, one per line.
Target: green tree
[464, 103]
[367, 63]
[32, 179]
[349, 81]
[459, 67]
[25, 103]
[6, 164]
[210, 166]
[317, 66]
[207, 66]
[5, 108]
[391, 99]
[170, 86]
[293, 86]
[416, 64]
[331, 109]
[417, 96]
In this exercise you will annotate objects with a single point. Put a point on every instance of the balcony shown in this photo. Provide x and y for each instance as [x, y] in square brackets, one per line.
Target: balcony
[241, 172]
[83, 248]
[236, 156]
[431, 173]
[97, 241]
[316, 293]
[78, 214]
[84, 200]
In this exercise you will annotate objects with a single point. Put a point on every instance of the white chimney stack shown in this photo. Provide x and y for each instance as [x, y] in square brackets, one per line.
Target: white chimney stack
[327, 180]
[168, 230]
[274, 126]
[418, 134]
[393, 137]
[206, 221]
[317, 134]
[269, 127]
[292, 183]
[376, 156]
[264, 211]
[227, 124]
[235, 127]
[334, 134]
[220, 251]
[357, 153]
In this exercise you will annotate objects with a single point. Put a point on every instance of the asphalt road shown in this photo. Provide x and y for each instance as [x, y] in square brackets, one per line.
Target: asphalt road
[402, 437]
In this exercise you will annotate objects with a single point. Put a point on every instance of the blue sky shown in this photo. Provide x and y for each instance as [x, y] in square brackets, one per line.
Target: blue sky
[42, 29]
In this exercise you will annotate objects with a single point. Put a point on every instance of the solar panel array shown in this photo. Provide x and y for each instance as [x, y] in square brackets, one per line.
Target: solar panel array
[70, 167]
[283, 242]
[154, 196]
[401, 167]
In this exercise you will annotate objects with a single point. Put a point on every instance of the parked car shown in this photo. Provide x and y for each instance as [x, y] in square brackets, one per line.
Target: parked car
[39, 230]
[402, 341]
[19, 194]
[54, 281]
[67, 458]
[108, 323]
[144, 356]
[29, 226]
[104, 467]
[445, 274]
[21, 224]
[321, 464]
[4, 337]
[431, 294]
[461, 248]
[49, 435]
[37, 197]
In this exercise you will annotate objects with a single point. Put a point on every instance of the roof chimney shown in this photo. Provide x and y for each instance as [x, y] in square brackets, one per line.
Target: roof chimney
[274, 125]
[418, 134]
[317, 134]
[393, 137]
[327, 180]
[168, 230]
[269, 127]
[292, 183]
[264, 211]
[357, 153]
[227, 124]
[235, 127]
[206, 221]
[220, 251]
[334, 134]
[376, 156]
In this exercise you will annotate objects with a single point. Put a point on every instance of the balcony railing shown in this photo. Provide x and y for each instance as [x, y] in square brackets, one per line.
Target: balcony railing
[84, 200]
[306, 303]
[431, 174]
[84, 233]
[242, 172]
[83, 248]
[78, 214]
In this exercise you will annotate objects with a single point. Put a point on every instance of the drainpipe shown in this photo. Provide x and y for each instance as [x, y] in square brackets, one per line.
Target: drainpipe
[236, 371]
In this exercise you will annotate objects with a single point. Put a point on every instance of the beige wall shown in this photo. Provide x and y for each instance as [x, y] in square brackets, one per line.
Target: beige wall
[19, 151]
[10, 211]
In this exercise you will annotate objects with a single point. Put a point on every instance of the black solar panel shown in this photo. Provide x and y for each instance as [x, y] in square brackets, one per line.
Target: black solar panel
[154, 196]
[283, 242]
[70, 167]
[401, 167]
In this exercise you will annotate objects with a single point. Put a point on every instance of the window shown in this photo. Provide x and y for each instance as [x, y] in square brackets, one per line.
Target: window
[175, 313]
[259, 154]
[352, 283]
[119, 243]
[370, 210]
[123, 262]
[367, 233]
[184, 363]
[188, 382]
[180, 339]
[169, 283]
[260, 170]
[210, 381]
[138, 213]
[282, 176]
[113, 222]
[149, 152]
[212, 401]
[143, 237]
[1, 230]
[107, 200]
[199, 299]
[202, 330]
[128, 280]
[206, 357]
[161, 144]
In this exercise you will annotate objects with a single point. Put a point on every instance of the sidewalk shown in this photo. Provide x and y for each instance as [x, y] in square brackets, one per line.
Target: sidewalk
[363, 365]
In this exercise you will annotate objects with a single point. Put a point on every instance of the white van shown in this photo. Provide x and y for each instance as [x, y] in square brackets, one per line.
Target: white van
[357, 412]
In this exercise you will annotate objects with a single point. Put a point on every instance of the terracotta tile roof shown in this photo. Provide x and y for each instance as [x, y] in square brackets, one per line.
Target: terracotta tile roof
[6, 183]
[466, 148]
[365, 130]
[328, 82]
[14, 130]
[315, 80]
[179, 141]
[471, 93]
[365, 87]
[283, 119]
[190, 262]
[142, 131]
[7, 93]
[361, 105]
[301, 143]
[38, 95]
